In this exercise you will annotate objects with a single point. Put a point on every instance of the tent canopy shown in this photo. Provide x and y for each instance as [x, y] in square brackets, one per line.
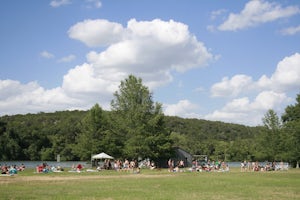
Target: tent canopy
[102, 156]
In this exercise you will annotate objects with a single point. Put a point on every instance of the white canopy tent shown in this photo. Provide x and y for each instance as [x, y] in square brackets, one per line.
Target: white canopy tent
[102, 156]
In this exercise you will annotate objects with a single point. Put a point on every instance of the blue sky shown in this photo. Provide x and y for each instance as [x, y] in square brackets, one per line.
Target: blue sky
[218, 60]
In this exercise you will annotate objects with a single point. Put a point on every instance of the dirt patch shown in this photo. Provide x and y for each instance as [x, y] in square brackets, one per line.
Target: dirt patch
[46, 177]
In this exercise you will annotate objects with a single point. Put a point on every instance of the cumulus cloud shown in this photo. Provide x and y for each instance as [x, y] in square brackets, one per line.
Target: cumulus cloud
[58, 3]
[99, 32]
[148, 49]
[271, 93]
[231, 87]
[285, 78]
[244, 111]
[287, 74]
[290, 30]
[142, 45]
[257, 12]
[83, 82]
[23, 98]
[183, 108]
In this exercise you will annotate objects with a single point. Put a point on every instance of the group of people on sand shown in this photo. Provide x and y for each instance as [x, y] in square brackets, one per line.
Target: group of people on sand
[11, 169]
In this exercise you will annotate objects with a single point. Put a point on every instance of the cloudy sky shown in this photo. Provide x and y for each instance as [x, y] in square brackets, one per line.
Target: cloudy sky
[218, 60]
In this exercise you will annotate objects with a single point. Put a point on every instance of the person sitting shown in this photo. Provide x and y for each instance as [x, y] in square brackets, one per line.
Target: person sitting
[79, 167]
[4, 169]
[152, 166]
[12, 170]
[39, 168]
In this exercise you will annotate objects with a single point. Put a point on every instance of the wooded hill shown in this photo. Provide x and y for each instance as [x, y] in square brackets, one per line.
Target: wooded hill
[41, 136]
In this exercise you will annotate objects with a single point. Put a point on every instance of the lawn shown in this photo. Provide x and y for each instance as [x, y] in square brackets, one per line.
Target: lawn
[111, 185]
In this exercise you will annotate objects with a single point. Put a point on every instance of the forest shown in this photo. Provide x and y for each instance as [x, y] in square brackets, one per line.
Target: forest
[136, 128]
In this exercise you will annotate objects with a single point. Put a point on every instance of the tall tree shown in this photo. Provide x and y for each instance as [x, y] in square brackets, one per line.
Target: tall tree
[271, 135]
[141, 121]
[93, 126]
[271, 120]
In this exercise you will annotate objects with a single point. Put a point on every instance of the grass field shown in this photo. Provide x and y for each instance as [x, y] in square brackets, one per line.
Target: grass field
[111, 185]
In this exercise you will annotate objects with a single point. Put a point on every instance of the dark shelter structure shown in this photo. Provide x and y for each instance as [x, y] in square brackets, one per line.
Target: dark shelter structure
[183, 155]
[178, 155]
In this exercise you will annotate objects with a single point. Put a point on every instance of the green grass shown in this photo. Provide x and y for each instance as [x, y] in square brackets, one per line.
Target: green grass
[111, 185]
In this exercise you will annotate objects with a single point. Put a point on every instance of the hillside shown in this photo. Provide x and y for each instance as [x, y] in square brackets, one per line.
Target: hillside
[40, 136]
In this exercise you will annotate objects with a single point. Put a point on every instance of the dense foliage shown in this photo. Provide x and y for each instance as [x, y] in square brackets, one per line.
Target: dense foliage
[137, 128]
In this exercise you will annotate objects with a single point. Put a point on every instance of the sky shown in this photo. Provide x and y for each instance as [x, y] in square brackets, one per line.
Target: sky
[217, 60]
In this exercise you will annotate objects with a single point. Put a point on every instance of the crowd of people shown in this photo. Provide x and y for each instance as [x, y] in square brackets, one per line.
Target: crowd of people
[120, 165]
[135, 167]
[267, 166]
[45, 168]
[11, 169]
[197, 166]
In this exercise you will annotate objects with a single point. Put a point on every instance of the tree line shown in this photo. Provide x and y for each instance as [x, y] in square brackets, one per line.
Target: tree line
[136, 128]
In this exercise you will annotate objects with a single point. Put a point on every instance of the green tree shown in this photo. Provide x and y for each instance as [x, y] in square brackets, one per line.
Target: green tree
[93, 127]
[140, 121]
[291, 119]
[271, 120]
[271, 136]
[9, 146]
[292, 112]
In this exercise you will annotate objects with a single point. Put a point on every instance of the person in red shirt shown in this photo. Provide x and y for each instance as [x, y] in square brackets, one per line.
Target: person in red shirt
[79, 167]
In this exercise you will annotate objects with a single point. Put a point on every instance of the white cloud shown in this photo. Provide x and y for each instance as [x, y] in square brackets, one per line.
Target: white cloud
[143, 45]
[23, 98]
[271, 93]
[99, 32]
[231, 87]
[268, 100]
[257, 12]
[287, 74]
[184, 108]
[285, 78]
[46, 54]
[82, 81]
[58, 3]
[290, 30]
[243, 111]
[148, 49]
[68, 58]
